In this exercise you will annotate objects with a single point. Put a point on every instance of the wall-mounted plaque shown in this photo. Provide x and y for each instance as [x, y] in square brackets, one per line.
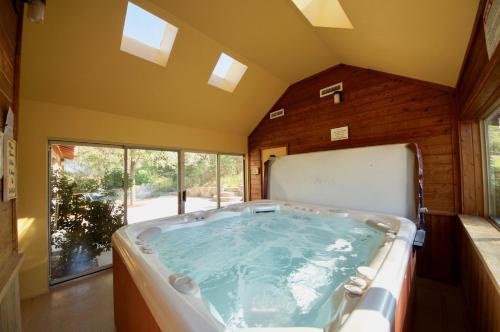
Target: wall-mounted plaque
[338, 134]
[9, 182]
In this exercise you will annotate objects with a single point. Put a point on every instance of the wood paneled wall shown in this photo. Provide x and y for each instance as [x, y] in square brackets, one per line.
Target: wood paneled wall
[480, 288]
[478, 87]
[478, 93]
[10, 260]
[10, 32]
[471, 167]
[439, 259]
[379, 108]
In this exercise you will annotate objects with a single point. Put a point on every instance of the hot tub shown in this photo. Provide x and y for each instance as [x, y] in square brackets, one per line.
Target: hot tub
[263, 266]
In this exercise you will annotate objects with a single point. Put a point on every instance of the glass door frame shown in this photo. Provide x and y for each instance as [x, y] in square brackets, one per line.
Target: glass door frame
[181, 190]
[125, 177]
[125, 148]
[54, 282]
[182, 182]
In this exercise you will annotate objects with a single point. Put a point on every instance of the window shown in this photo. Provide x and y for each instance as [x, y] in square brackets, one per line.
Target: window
[147, 36]
[200, 181]
[232, 180]
[152, 184]
[324, 13]
[95, 189]
[227, 73]
[492, 131]
[86, 206]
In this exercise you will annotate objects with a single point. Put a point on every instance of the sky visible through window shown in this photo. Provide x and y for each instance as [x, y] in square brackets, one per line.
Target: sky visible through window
[222, 67]
[144, 26]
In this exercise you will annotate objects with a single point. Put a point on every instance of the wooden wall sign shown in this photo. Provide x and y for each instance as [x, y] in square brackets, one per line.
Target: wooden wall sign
[10, 186]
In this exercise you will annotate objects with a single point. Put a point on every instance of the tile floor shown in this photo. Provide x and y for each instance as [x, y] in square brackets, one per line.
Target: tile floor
[87, 305]
[84, 305]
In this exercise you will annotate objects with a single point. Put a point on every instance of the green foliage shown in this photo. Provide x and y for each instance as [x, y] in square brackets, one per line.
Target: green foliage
[231, 170]
[86, 185]
[200, 169]
[112, 179]
[79, 223]
[494, 164]
[164, 185]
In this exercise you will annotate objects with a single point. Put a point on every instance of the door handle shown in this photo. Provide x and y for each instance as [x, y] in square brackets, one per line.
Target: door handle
[184, 195]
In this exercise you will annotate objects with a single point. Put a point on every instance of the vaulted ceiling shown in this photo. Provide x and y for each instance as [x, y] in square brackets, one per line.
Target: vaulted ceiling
[75, 58]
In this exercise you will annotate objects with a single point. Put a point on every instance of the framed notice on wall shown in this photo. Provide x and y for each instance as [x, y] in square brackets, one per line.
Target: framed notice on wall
[9, 182]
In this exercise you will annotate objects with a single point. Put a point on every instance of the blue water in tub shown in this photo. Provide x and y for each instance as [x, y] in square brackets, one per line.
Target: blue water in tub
[275, 269]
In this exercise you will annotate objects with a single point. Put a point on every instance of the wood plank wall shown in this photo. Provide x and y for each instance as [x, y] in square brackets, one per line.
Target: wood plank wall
[439, 259]
[478, 86]
[379, 108]
[480, 288]
[478, 93]
[10, 32]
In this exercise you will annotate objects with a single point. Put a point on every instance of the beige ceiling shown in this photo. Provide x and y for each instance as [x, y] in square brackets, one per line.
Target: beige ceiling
[75, 58]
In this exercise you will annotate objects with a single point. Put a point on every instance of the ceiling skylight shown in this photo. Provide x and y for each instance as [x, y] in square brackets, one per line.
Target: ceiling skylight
[324, 13]
[147, 36]
[227, 73]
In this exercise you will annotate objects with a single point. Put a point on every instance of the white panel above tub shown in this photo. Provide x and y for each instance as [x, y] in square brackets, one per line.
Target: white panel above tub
[377, 179]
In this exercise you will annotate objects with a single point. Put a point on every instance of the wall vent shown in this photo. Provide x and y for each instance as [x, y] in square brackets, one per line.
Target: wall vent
[329, 90]
[277, 114]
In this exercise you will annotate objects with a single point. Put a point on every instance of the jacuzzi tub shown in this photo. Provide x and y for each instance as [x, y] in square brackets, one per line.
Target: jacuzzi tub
[365, 302]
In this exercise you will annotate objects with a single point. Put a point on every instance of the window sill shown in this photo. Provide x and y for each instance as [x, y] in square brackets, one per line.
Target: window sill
[486, 240]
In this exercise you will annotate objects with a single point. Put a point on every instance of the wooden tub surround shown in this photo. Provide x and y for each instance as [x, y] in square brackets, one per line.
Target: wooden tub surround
[133, 314]
[131, 311]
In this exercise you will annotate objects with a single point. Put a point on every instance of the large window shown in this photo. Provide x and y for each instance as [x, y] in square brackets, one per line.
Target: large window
[492, 131]
[200, 181]
[86, 206]
[232, 180]
[96, 189]
[152, 184]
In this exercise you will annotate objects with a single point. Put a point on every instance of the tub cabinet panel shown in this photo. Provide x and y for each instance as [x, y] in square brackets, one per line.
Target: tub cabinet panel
[131, 311]
[404, 310]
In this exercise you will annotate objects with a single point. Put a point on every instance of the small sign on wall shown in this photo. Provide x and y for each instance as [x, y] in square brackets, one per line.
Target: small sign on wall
[277, 114]
[9, 182]
[339, 134]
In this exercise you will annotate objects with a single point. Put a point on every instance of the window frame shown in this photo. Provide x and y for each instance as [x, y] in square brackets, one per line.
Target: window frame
[486, 168]
[138, 48]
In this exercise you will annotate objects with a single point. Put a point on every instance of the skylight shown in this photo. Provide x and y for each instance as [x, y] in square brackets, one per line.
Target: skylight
[147, 36]
[324, 13]
[227, 73]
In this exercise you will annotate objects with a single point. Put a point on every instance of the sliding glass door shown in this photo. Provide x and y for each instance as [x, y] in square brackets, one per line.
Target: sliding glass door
[96, 189]
[152, 184]
[232, 179]
[200, 181]
[86, 206]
